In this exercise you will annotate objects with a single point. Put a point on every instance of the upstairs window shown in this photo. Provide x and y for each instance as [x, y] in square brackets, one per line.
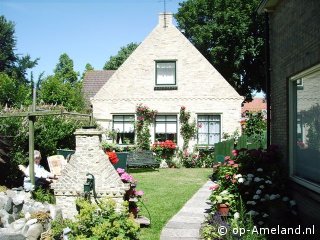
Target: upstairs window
[165, 73]
[124, 127]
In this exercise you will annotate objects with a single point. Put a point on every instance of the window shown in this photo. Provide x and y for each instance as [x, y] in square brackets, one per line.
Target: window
[304, 131]
[209, 128]
[166, 128]
[166, 73]
[124, 127]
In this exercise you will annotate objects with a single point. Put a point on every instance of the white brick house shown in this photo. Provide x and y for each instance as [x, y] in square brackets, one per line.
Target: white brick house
[164, 73]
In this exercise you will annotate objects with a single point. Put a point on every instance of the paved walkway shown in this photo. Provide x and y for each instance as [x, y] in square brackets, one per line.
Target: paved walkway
[187, 222]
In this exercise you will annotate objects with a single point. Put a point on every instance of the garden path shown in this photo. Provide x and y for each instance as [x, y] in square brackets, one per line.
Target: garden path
[187, 222]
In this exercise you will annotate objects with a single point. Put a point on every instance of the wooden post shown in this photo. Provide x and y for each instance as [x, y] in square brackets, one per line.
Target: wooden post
[31, 138]
[31, 149]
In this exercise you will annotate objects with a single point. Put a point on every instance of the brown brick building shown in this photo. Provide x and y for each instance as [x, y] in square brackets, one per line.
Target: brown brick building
[294, 34]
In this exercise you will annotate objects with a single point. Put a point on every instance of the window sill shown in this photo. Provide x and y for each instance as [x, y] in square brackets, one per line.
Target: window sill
[165, 87]
[309, 185]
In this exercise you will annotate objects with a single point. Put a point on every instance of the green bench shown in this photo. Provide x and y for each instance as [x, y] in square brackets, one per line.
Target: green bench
[140, 159]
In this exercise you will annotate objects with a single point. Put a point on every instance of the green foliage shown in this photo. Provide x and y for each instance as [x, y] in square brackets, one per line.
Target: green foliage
[230, 34]
[14, 85]
[116, 61]
[255, 124]
[88, 67]
[187, 130]
[43, 195]
[10, 63]
[144, 118]
[13, 93]
[200, 159]
[51, 133]
[64, 70]
[99, 222]
[58, 225]
[55, 91]
[8, 44]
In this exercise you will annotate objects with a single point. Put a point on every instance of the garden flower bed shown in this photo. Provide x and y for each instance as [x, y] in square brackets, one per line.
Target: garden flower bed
[251, 185]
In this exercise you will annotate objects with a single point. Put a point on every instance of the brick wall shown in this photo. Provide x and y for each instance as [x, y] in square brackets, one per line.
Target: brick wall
[294, 47]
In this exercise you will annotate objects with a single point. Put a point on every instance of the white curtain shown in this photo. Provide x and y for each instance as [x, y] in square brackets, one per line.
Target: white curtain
[165, 73]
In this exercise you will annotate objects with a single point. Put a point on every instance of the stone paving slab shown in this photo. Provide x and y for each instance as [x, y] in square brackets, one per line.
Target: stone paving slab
[187, 222]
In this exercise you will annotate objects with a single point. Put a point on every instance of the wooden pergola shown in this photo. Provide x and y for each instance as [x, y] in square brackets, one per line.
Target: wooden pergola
[31, 115]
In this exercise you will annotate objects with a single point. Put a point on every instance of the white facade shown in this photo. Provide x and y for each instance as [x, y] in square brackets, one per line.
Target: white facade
[198, 85]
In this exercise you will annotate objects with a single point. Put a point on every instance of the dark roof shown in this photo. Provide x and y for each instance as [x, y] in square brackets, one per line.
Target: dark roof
[94, 81]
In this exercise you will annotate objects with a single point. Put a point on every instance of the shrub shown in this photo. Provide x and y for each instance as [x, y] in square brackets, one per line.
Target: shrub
[51, 132]
[99, 222]
[43, 195]
[201, 159]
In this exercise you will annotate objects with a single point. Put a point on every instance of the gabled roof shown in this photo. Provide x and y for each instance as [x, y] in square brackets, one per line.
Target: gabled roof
[256, 105]
[94, 80]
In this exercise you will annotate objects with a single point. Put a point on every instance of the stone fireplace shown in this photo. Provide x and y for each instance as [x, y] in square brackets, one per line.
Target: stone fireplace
[88, 158]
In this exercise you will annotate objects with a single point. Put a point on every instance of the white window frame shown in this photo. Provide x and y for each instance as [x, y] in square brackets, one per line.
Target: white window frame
[292, 128]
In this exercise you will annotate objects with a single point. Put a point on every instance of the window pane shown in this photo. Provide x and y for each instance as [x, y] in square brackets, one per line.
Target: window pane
[128, 127]
[129, 118]
[160, 128]
[214, 138]
[203, 127]
[203, 138]
[124, 126]
[160, 118]
[171, 127]
[202, 118]
[214, 127]
[307, 126]
[171, 118]
[166, 73]
[118, 118]
[208, 129]
[118, 127]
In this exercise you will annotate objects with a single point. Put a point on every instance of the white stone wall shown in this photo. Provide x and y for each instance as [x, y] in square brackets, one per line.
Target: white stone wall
[201, 88]
[88, 158]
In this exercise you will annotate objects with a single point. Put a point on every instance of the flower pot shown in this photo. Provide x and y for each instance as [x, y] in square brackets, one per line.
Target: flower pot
[223, 209]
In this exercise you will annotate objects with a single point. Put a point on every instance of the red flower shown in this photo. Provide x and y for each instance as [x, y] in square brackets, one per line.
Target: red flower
[113, 157]
[235, 152]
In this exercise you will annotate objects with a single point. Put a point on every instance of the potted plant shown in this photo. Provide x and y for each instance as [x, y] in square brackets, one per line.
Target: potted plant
[223, 201]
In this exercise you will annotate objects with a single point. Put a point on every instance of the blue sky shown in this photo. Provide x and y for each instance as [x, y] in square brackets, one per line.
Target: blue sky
[89, 31]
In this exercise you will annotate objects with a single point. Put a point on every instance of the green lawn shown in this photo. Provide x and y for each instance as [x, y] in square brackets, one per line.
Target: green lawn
[166, 191]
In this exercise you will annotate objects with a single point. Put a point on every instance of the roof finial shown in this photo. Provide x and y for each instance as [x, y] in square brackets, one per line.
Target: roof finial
[164, 15]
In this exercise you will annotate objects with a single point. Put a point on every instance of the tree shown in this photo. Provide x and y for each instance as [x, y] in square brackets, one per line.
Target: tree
[229, 33]
[13, 93]
[8, 43]
[115, 62]
[64, 69]
[88, 67]
[10, 63]
[54, 91]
